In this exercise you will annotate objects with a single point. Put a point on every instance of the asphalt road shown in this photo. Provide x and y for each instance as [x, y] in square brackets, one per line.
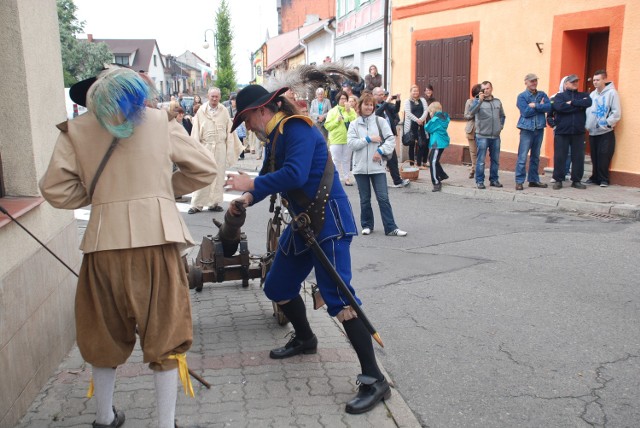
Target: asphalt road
[497, 314]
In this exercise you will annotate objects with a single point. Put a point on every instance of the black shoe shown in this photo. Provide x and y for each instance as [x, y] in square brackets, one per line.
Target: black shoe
[295, 346]
[216, 209]
[495, 184]
[538, 184]
[437, 187]
[480, 186]
[578, 185]
[591, 181]
[557, 185]
[519, 186]
[118, 420]
[370, 393]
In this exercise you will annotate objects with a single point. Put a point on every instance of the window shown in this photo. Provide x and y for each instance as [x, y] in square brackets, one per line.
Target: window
[445, 64]
[122, 59]
[154, 61]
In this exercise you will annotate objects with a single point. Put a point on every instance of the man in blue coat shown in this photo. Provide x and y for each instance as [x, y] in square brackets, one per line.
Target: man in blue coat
[570, 116]
[296, 156]
[533, 105]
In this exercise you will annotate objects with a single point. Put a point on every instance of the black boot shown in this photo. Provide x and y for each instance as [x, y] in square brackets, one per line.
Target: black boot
[118, 420]
[370, 393]
[295, 346]
[303, 339]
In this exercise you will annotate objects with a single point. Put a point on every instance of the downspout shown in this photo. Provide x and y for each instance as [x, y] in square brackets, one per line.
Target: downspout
[306, 51]
[333, 40]
[385, 51]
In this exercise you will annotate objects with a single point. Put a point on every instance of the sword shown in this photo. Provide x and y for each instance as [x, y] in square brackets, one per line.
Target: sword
[302, 224]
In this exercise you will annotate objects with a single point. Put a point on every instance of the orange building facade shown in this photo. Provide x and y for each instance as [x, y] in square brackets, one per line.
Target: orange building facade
[506, 39]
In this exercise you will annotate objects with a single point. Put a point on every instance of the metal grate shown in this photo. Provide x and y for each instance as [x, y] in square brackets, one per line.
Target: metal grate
[602, 216]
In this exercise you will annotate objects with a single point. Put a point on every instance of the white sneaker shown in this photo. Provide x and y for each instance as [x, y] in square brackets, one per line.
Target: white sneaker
[366, 231]
[404, 183]
[553, 180]
[396, 232]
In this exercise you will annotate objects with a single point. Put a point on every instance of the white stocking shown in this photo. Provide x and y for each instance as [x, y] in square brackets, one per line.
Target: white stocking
[104, 380]
[166, 396]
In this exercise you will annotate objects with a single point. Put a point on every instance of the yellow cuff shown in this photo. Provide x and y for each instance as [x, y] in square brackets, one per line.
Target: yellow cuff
[91, 388]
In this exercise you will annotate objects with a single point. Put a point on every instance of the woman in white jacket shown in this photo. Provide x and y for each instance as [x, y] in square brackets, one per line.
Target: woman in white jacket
[370, 139]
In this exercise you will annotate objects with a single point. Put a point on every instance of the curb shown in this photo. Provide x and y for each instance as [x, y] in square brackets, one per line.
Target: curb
[621, 210]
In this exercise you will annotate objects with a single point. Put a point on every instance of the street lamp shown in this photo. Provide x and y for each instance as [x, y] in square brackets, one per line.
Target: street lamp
[215, 42]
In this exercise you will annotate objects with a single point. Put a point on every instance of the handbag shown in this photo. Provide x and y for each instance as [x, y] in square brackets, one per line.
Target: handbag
[408, 138]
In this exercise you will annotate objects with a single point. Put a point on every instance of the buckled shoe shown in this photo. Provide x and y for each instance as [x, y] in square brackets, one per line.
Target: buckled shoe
[295, 346]
[370, 393]
[118, 420]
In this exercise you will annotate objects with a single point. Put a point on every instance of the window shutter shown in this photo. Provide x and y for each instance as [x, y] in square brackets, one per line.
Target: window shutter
[445, 64]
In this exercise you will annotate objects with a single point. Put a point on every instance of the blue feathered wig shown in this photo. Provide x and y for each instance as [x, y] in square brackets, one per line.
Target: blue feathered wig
[118, 99]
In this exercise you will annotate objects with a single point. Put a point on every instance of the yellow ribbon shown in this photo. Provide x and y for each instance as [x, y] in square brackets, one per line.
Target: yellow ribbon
[91, 388]
[183, 372]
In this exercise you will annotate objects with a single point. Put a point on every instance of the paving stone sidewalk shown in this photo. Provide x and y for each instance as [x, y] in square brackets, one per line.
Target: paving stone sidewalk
[234, 330]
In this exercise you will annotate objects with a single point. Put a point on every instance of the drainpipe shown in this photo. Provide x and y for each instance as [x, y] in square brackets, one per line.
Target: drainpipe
[385, 51]
[333, 40]
[306, 51]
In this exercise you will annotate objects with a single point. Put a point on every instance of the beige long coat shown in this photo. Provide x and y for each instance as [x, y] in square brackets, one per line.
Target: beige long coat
[213, 131]
[134, 201]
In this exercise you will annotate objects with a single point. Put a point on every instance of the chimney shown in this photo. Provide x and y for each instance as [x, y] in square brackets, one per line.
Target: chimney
[90, 38]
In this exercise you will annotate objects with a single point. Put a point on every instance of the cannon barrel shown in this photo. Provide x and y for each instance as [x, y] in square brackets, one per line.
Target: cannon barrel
[229, 231]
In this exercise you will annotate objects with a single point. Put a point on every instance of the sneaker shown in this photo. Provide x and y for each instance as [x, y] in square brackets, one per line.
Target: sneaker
[437, 187]
[589, 181]
[578, 185]
[406, 182]
[495, 184]
[553, 180]
[397, 232]
[480, 186]
[604, 184]
[557, 185]
[366, 231]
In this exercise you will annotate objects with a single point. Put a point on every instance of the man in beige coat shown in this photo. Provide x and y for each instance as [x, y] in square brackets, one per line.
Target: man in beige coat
[212, 128]
[132, 279]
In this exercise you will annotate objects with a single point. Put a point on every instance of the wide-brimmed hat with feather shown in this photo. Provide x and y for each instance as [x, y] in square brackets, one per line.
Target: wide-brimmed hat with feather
[250, 98]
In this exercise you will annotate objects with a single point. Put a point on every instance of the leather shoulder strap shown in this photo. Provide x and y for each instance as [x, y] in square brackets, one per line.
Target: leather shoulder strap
[106, 157]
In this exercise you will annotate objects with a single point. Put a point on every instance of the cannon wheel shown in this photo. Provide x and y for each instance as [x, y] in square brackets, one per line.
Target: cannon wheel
[195, 278]
[273, 233]
[279, 315]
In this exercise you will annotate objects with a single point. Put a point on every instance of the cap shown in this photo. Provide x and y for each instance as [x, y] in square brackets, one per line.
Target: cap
[531, 76]
[572, 78]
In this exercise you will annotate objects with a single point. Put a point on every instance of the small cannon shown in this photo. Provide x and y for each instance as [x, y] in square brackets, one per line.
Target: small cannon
[226, 257]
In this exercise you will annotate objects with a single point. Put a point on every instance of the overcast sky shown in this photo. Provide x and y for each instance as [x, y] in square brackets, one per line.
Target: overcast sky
[180, 25]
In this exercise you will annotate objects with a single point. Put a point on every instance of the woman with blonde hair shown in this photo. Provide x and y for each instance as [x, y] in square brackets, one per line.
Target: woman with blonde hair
[337, 123]
[415, 116]
[439, 140]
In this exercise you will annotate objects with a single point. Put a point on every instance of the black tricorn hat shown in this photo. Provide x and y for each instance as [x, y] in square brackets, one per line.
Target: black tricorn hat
[252, 97]
[78, 92]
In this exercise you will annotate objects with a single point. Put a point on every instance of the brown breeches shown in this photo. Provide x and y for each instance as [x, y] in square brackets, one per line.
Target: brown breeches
[120, 291]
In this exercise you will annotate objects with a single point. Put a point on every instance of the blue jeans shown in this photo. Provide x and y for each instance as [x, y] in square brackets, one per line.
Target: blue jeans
[529, 141]
[379, 182]
[493, 144]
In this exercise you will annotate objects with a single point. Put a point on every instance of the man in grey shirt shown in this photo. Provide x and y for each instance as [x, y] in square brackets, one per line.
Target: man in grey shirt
[489, 123]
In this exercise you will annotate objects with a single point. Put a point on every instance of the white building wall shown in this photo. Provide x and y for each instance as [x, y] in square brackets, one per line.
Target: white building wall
[156, 72]
[319, 48]
[352, 46]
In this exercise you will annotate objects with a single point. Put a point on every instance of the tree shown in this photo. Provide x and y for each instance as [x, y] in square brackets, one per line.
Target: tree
[80, 59]
[226, 75]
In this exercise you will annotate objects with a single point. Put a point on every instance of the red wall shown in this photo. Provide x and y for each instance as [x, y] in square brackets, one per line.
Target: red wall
[294, 12]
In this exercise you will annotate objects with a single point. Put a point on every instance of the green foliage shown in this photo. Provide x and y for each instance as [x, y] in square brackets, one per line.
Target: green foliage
[80, 59]
[226, 79]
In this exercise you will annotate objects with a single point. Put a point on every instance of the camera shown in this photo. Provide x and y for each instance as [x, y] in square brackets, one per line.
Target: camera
[395, 97]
